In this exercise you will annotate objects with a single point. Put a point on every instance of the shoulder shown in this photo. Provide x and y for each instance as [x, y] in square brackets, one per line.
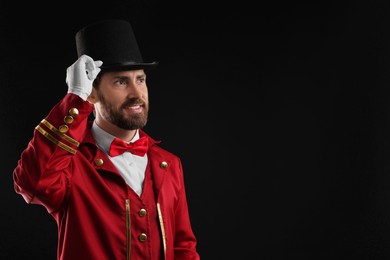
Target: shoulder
[156, 148]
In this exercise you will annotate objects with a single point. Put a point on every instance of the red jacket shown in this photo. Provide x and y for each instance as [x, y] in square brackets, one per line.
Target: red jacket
[63, 170]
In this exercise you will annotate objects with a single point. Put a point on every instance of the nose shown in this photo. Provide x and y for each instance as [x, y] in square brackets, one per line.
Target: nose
[134, 91]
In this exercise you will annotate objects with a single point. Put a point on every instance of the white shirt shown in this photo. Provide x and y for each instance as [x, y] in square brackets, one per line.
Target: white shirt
[131, 167]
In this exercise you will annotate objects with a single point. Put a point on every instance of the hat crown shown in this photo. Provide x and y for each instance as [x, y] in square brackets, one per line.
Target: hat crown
[113, 42]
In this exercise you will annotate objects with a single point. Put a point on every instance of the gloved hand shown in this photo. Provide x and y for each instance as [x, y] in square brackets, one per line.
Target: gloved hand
[80, 75]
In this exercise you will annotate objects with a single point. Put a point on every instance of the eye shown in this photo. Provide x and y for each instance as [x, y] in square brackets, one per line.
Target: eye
[122, 81]
[141, 80]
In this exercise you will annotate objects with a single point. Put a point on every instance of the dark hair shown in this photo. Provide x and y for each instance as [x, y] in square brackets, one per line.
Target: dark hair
[96, 82]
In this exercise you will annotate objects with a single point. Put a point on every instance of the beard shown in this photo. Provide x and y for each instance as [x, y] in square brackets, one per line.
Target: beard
[118, 118]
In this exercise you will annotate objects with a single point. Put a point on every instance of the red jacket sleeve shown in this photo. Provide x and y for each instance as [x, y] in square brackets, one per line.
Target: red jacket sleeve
[43, 170]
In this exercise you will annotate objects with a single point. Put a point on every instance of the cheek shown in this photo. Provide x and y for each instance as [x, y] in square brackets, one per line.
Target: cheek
[146, 94]
[118, 100]
[115, 99]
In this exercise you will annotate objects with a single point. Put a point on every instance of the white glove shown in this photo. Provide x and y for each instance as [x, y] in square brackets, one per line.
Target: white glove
[80, 75]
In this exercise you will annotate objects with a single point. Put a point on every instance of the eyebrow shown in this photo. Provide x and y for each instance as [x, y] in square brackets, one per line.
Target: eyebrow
[127, 77]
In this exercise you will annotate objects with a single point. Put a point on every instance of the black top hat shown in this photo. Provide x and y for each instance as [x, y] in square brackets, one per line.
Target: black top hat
[114, 43]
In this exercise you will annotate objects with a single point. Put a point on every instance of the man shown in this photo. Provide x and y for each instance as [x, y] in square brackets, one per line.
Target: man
[110, 202]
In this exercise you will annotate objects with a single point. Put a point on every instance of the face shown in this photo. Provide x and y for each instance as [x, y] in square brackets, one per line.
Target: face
[122, 99]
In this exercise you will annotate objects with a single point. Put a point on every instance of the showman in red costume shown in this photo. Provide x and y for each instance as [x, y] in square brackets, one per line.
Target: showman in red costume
[113, 191]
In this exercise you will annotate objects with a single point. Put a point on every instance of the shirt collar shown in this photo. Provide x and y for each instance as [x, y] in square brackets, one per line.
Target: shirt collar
[104, 139]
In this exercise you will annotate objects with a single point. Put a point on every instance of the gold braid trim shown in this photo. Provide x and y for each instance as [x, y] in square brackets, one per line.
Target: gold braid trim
[162, 230]
[55, 141]
[57, 132]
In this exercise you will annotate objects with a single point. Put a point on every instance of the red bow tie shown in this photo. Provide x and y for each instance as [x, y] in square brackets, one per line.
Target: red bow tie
[139, 147]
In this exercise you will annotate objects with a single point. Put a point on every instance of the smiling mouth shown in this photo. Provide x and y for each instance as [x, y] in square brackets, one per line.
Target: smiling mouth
[134, 108]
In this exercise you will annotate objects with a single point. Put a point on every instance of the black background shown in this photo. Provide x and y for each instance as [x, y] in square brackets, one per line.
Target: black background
[279, 111]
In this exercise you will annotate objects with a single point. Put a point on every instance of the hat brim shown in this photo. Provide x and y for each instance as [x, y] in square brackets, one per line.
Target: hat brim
[129, 66]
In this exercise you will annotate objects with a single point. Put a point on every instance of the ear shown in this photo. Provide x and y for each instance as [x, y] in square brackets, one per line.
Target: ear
[92, 97]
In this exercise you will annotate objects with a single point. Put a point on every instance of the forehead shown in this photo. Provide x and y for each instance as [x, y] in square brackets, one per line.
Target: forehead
[124, 73]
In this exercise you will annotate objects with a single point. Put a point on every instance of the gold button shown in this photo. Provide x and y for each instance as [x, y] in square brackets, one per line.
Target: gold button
[99, 162]
[142, 237]
[73, 111]
[142, 212]
[68, 119]
[63, 129]
[164, 165]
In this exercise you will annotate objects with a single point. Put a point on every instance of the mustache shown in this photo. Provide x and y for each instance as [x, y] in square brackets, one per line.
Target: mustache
[132, 101]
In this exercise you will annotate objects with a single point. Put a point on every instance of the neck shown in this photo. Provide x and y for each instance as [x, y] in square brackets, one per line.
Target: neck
[125, 135]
